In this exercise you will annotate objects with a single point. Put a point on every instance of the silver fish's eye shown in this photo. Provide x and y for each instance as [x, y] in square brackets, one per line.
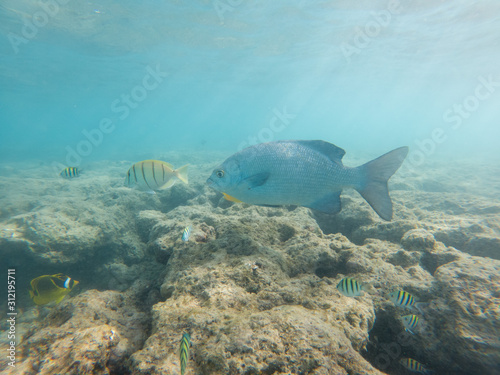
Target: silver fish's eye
[219, 173]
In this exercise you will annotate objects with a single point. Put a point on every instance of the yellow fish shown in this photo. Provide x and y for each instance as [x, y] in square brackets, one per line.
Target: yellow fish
[48, 288]
[151, 175]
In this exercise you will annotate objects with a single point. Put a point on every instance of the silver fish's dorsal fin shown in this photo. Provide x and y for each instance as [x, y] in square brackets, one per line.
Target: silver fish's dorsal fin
[331, 151]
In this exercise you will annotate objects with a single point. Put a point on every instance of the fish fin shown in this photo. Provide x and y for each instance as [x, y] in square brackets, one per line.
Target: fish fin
[168, 184]
[230, 198]
[329, 204]
[333, 152]
[420, 305]
[151, 192]
[164, 163]
[407, 330]
[377, 173]
[369, 288]
[59, 299]
[181, 173]
[256, 180]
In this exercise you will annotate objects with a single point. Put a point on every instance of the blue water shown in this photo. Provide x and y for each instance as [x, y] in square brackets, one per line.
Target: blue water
[367, 76]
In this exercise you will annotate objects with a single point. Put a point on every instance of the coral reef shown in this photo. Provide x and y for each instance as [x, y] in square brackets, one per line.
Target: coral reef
[255, 287]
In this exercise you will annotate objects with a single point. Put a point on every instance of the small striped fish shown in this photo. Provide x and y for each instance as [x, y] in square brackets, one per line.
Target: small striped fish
[415, 366]
[151, 175]
[350, 287]
[410, 322]
[402, 298]
[70, 172]
[184, 351]
[186, 233]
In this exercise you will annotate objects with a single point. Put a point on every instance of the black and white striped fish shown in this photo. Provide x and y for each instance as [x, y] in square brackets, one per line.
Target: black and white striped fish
[410, 322]
[151, 175]
[405, 299]
[415, 366]
[350, 287]
[70, 172]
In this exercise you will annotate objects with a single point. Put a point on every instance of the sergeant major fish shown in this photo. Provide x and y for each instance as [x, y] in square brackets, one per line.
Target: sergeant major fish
[304, 173]
[48, 288]
[70, 172]
[186, 233]
[405, 299]
[351, 288]
[410, 322]
[415, 366]
[184, 351]
[151, 175]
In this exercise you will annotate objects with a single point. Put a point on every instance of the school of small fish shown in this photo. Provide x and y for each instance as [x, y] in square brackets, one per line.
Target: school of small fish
[350, 287]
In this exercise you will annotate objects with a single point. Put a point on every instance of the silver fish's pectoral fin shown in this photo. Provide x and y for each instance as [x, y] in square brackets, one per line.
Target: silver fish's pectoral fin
[329, 204]
[255, 180]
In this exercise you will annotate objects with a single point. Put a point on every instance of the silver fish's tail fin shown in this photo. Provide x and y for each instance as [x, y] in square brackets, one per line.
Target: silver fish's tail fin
[376, 174]
[181, 173]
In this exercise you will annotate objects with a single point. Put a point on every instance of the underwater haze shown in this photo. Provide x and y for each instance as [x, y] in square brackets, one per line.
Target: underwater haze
[175, 198]
[367, 76]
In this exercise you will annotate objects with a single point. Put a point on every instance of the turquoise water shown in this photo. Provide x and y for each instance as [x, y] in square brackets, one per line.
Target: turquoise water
[101, 85]
[371, 76]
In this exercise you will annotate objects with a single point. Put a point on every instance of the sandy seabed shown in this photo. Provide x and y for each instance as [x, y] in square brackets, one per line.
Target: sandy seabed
[255, 287]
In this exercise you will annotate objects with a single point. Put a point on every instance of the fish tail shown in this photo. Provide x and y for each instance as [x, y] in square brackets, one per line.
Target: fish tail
[408, 330]
[376, 175]
[420, 305]
[181, 173]
[369, 288]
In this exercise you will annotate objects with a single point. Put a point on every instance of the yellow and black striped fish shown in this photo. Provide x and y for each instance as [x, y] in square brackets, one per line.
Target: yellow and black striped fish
[350, 287]
[186, 233]
[402, 298]
[151, 175]
[70, 172]
[410, 322]
[184, 351]
[415, 366]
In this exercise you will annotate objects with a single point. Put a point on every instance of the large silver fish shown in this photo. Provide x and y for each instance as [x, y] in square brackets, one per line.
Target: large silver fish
[304, 173]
